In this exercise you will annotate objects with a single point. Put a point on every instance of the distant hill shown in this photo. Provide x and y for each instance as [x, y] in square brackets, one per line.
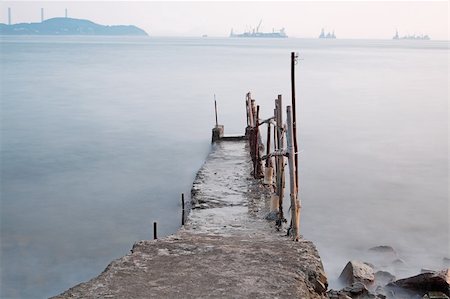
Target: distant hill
[68, 26]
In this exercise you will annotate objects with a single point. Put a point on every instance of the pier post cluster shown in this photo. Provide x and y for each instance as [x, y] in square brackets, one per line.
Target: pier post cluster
[284, 149]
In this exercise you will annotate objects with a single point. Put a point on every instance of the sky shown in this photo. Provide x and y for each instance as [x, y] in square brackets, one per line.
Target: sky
[349, 19]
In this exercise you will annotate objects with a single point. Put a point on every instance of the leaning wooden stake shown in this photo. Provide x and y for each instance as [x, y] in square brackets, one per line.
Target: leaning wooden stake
[295, 202]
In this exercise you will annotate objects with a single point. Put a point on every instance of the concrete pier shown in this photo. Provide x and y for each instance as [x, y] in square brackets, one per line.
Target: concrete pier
[226, 249]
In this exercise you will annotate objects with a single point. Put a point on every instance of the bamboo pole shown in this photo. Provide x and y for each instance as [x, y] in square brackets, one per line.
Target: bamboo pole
[250, 109]
[275, 140]
[280, 160]
[246, 109]
[257, 162]
[295, 202]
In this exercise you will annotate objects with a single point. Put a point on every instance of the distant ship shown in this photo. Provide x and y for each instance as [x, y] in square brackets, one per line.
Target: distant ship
[417, 37]
[256, 33]
[328, 35]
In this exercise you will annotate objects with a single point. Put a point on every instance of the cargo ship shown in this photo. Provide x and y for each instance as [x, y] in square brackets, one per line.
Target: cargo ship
[328, 35]
[256, 33]
[417, 37]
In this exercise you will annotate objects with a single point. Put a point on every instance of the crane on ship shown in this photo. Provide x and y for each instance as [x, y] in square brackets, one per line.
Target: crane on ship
[257, 27]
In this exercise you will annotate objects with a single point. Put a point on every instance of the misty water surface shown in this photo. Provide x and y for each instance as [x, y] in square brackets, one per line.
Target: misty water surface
[99, 136]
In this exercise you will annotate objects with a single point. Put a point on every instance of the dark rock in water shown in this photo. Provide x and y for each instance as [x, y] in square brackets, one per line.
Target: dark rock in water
[426, 282]
[383, 249]
[382, 278]
[398, 262]
[356, 291]
[356, 271]
[382, 255]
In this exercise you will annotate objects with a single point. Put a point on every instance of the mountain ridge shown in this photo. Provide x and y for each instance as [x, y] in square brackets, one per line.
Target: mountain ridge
[68, 26]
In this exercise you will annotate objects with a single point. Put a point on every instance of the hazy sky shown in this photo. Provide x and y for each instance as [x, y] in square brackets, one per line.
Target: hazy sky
[349, 19]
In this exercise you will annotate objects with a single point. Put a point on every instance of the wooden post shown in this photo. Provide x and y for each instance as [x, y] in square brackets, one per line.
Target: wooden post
[246, 110]
[295, 202]
[275, 145]
[182, 208]
[294, 116]
[257, 162]
[155, 236]
[250, 110]
[215, 108]
[280, 166]
[268, 145]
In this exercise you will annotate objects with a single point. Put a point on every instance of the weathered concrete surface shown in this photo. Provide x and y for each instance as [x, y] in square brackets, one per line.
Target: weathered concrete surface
[226, 249]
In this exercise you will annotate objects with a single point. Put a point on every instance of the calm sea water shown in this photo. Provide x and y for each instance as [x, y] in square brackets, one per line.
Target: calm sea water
[100, 136]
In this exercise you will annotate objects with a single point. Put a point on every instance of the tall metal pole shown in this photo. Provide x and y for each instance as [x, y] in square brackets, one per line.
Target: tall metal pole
[215, 107]
[294, 118]
[9, 15]
[42, 15]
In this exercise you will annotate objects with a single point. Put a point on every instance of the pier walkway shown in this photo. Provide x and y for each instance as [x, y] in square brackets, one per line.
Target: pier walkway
[225, 250]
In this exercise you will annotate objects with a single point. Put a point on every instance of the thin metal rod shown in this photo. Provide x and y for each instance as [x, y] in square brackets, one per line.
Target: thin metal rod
[294, 118]
[182, 209]
[215, 108]
[155, 236]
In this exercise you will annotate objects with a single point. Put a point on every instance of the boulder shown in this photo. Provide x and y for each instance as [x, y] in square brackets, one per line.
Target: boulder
[382, 278]
[426, 282]
[435, 295]
[333, 294]
[356, 271]
[384, 249]
[355, 291]
[398, 262]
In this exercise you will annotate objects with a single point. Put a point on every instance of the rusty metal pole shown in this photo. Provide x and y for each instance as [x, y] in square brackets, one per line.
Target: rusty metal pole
[294, 118]
[182, 209]
[215, 108]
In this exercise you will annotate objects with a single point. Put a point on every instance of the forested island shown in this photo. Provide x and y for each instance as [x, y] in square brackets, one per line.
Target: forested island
[68, 26]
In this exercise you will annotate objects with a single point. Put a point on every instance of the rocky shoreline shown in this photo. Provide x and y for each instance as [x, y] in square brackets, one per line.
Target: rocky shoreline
[361, 279]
